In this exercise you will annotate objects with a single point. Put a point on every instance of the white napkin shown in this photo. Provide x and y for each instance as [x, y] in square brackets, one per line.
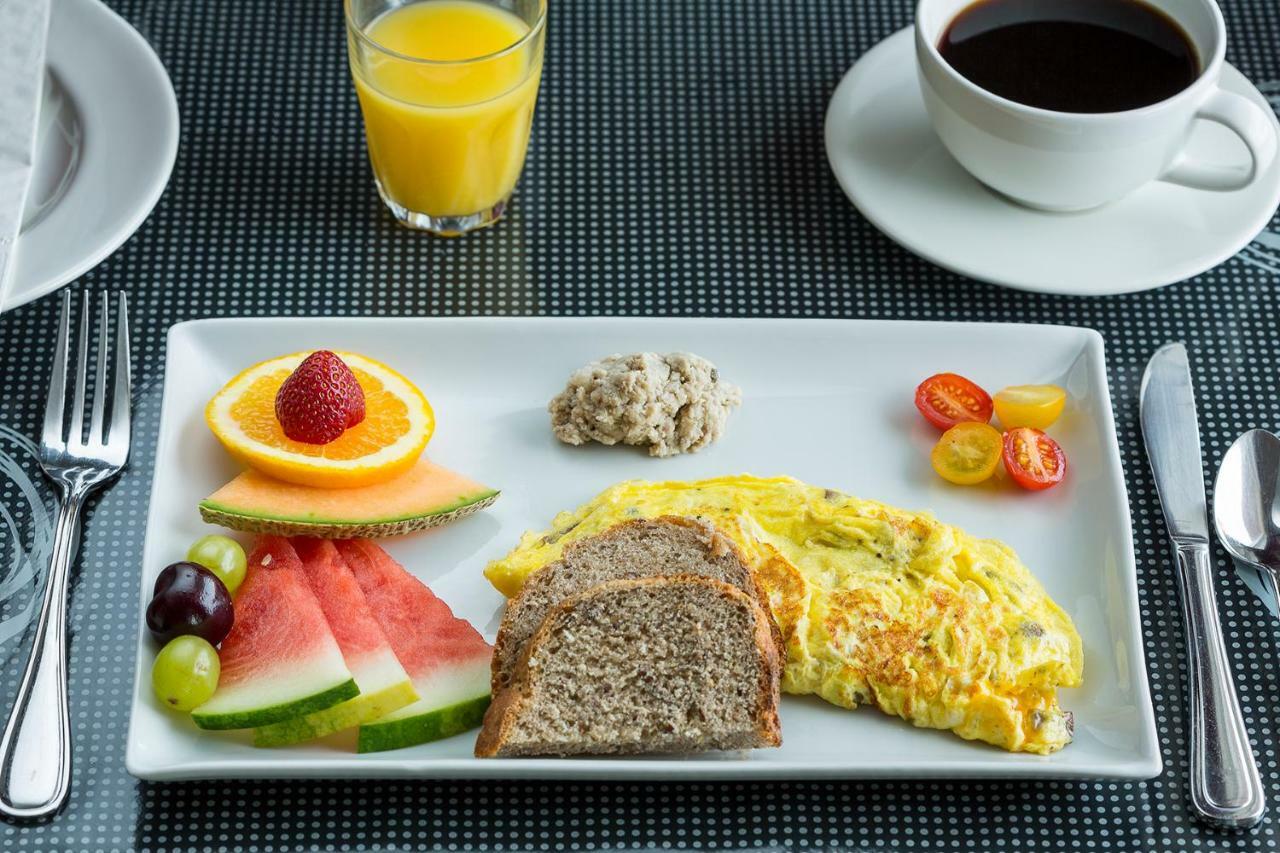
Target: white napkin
[24, 27]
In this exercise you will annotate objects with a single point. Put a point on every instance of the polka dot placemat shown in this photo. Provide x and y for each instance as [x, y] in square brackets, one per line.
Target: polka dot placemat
[677, 168]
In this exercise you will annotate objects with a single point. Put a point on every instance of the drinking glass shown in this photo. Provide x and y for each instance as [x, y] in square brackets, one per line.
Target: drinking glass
[446, 134]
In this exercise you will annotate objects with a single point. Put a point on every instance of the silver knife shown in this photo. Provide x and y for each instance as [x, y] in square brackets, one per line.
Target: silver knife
[1225, 787]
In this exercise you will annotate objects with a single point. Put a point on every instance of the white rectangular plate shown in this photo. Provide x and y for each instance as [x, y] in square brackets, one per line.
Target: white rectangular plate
[829, 402]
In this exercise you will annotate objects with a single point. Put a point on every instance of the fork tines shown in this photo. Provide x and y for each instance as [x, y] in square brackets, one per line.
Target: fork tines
[106, 439]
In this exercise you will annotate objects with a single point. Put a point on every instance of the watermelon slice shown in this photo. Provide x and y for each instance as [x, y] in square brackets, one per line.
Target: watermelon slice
[384, 685]
[445, 656]
[280, 659]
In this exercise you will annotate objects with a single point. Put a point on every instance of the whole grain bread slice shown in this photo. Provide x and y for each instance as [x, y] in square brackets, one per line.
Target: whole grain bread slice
[651, 665]
[657, 547]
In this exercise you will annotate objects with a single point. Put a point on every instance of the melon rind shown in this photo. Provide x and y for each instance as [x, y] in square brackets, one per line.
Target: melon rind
[423, 728]
[252, 706]
[213, 513]
[454, 699]
[384, 688]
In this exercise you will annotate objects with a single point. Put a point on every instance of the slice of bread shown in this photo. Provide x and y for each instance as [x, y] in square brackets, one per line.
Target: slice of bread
[655, 665]
[658, 547]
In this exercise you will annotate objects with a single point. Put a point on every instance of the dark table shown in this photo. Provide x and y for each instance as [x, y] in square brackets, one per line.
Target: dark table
[677, 169]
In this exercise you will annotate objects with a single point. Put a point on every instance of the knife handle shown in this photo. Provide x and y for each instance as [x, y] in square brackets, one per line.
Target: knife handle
[1226, 790]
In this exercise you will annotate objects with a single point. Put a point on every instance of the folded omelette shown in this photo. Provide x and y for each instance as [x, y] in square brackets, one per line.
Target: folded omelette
[877, 605]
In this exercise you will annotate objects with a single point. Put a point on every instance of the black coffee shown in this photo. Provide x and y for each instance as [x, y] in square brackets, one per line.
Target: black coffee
[1075, 56]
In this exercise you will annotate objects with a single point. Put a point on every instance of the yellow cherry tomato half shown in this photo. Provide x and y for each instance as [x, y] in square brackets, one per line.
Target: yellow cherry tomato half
[968, 453]
[1035, 406]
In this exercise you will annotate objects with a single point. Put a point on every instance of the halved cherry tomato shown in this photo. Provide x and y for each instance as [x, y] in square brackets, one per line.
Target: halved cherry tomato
[1034, 460]
[947, 399]
[967, 454]
[1035, 406]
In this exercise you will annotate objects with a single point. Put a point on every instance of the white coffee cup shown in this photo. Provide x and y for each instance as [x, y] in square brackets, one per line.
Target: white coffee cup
[1074, 161]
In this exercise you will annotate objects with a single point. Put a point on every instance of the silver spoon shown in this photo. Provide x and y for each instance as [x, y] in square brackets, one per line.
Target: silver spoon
[1246, 504]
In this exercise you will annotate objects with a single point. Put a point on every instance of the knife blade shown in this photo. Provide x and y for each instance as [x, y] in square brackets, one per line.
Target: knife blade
[1226, 789]
[1172, 435]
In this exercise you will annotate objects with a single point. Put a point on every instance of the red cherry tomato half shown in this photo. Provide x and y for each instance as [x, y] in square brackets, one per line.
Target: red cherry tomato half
[947, 399]
[1033, 459]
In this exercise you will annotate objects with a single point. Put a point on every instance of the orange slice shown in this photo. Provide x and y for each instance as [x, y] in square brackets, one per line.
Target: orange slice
[397, 424]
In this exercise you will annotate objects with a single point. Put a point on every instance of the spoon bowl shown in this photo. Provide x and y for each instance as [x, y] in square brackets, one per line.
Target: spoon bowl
[1246, 500]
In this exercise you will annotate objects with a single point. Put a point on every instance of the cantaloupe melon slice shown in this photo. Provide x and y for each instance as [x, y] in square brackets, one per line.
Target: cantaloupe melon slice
[424, 496]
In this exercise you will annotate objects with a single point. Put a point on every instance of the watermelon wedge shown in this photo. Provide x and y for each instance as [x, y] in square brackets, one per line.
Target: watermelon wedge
[280, 659]
[445, 656]
[384, 685]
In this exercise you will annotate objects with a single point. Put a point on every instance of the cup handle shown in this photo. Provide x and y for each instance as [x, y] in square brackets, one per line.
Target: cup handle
[1248, 121]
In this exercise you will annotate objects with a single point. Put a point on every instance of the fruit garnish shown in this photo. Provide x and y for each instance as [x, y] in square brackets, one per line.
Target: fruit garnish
[221, 555]
[397, 424]
[189, 599]
[320, 400]
[1034, 459]
[445, 656]
[947, 399]
[280, 660]
[383, 683]
[1036, 406]
[426, 495]
[185, 673]
[967, 454]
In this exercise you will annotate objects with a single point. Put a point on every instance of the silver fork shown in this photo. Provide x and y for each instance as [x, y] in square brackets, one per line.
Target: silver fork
[35, 752]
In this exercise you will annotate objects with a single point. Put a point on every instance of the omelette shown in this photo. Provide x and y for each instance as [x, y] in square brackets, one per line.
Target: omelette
[877, 605]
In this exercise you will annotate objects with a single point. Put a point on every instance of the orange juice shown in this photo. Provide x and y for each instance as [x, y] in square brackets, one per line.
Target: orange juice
[447, 136]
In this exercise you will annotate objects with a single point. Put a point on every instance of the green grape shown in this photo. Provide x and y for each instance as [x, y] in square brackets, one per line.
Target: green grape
[185, 673]
[222, 556]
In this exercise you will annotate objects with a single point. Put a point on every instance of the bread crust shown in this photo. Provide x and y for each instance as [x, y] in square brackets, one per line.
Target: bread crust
[717, 545]
[510, 702]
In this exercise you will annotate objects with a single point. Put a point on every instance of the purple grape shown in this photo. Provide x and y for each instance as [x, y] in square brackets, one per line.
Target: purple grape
[189, 599]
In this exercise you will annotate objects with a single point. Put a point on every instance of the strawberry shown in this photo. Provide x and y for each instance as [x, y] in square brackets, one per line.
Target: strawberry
[320, 400]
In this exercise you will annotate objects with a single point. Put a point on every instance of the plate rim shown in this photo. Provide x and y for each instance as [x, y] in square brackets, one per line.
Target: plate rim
[1147, 765]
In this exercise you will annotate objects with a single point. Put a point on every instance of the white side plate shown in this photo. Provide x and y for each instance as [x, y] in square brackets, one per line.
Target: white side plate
[105, 146]
[829, 402]
[892, 166]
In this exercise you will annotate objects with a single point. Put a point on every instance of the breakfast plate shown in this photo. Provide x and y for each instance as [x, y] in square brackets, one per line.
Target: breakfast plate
[807, 411]
[892, 166]
[105, 145]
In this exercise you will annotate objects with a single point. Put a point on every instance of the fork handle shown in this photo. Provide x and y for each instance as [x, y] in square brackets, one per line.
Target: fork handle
[35, 752]
[1226, 790]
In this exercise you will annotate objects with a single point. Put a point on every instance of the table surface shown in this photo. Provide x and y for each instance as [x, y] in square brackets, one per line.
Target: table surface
[676, 169]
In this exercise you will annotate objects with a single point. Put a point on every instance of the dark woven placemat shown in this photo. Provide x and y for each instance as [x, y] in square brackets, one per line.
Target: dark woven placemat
[677, 169]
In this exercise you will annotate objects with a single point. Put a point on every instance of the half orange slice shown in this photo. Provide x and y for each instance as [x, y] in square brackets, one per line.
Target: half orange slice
[397, 425]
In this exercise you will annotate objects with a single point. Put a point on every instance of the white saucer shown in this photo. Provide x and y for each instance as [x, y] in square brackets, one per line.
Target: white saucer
[105, 146]
[890, 163]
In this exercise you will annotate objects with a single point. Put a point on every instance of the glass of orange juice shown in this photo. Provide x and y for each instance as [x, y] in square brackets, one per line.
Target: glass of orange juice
[447, 89]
